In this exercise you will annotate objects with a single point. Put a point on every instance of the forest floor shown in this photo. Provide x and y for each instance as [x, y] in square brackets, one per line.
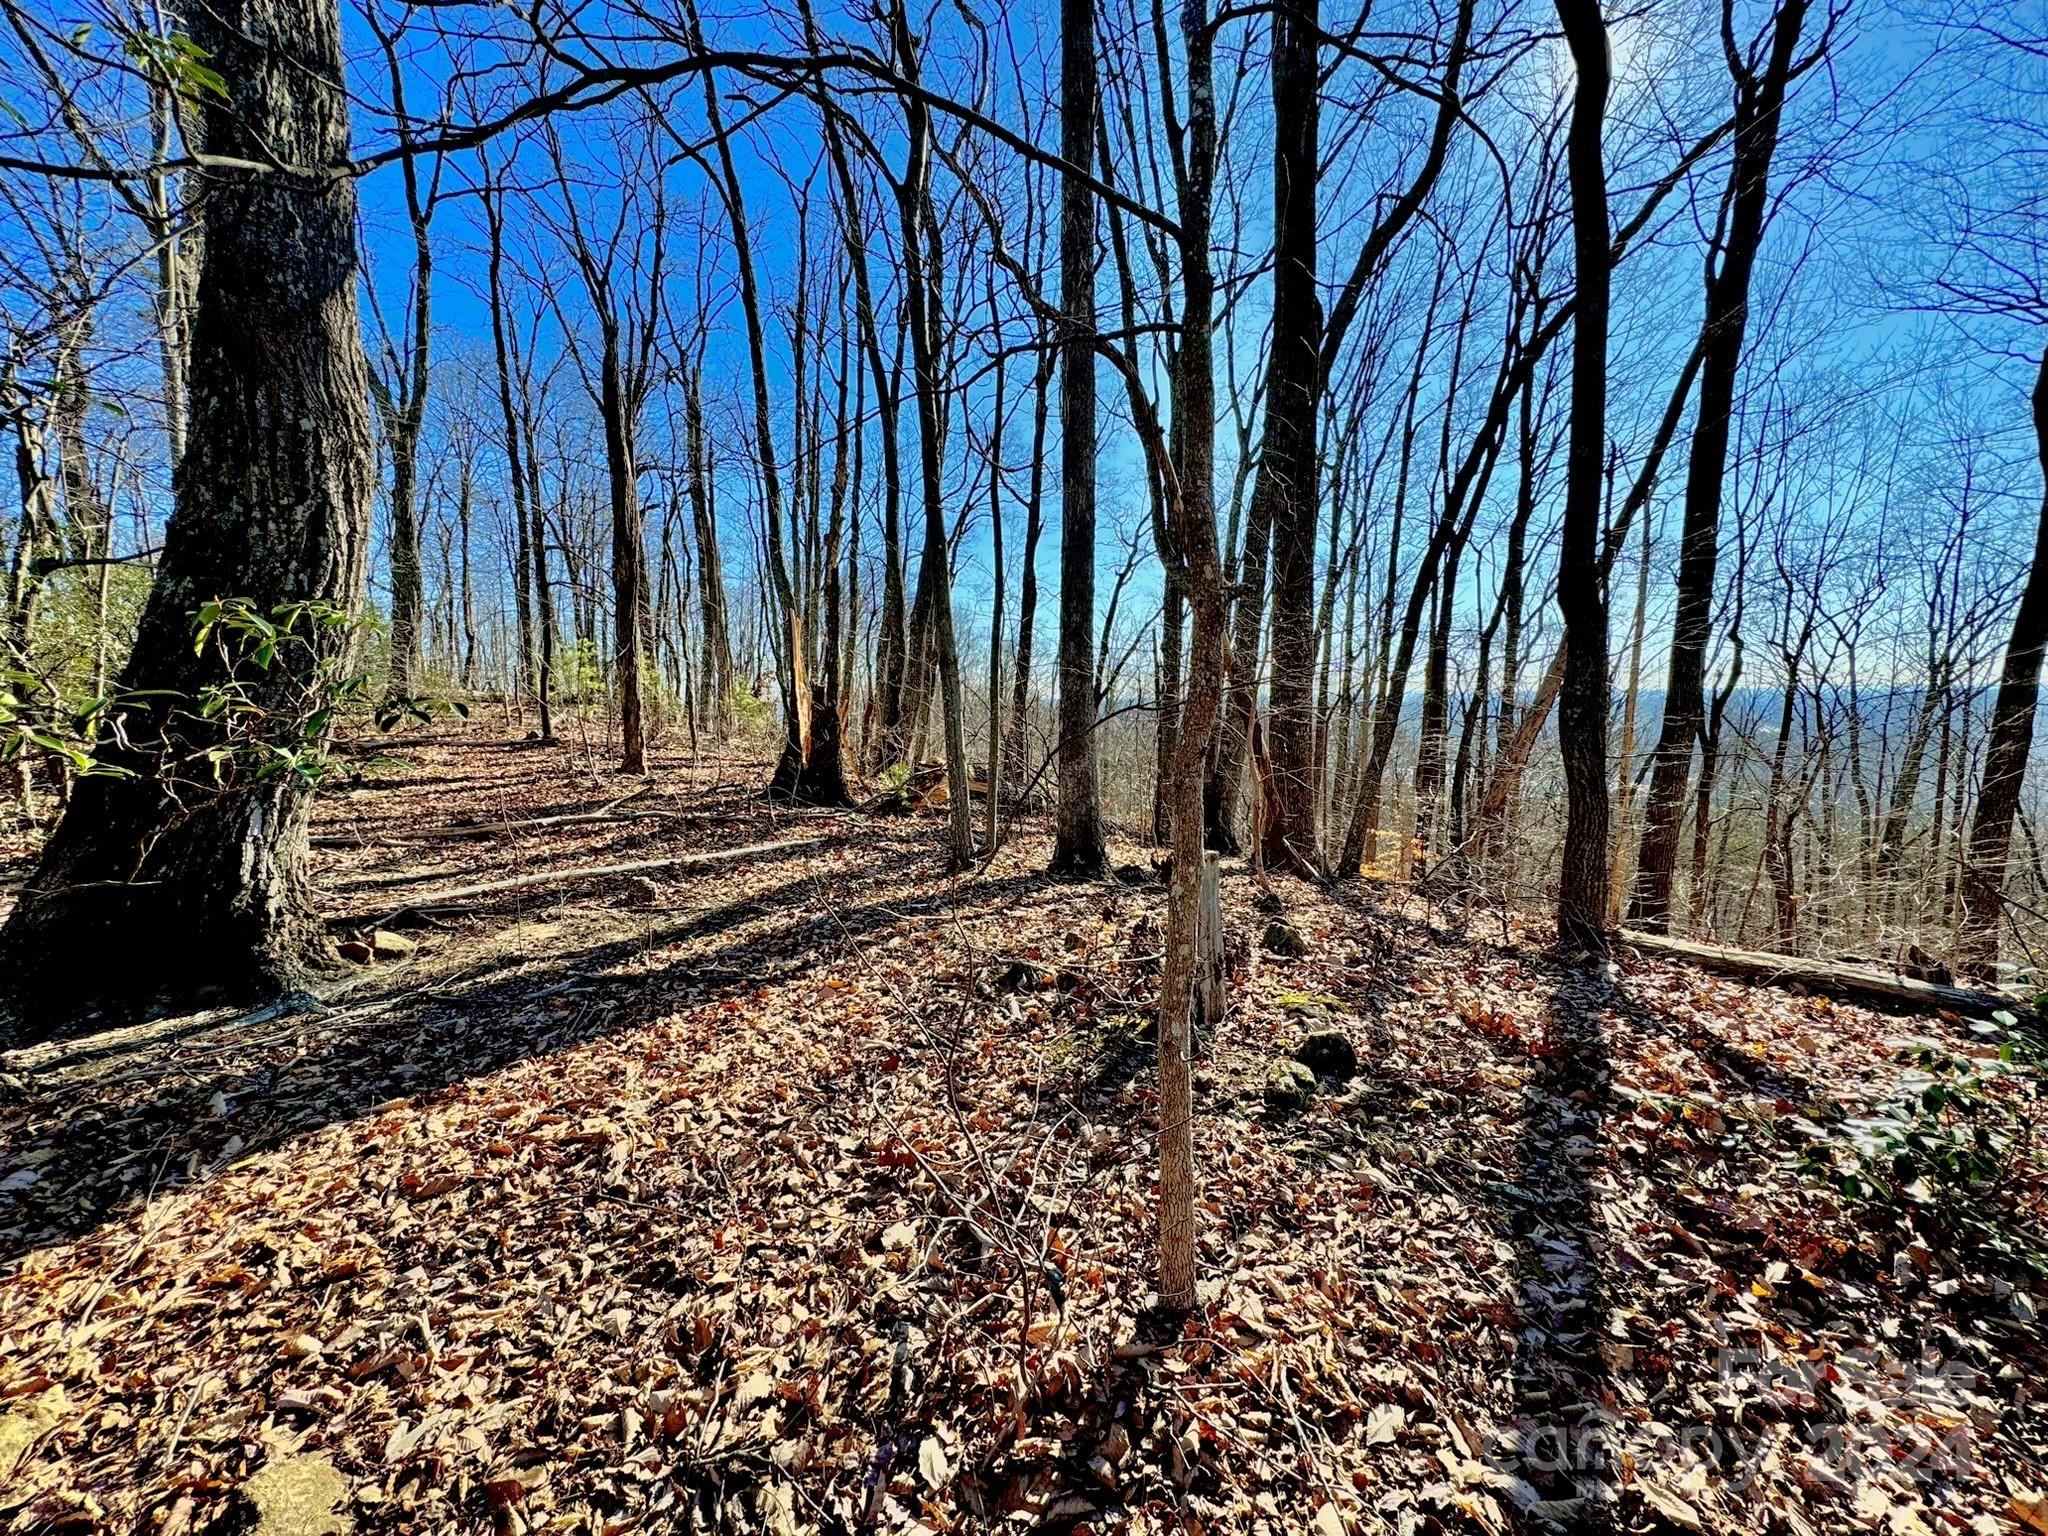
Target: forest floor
[810, 1191]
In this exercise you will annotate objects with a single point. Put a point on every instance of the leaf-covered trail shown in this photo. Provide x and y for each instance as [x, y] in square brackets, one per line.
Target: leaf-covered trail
[810, 1192]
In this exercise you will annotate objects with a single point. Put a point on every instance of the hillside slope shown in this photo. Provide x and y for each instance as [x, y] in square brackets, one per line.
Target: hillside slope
[809, 1191]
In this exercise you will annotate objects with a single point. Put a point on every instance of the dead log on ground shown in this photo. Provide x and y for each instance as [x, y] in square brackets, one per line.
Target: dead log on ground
[1861, 981]
[463, 893]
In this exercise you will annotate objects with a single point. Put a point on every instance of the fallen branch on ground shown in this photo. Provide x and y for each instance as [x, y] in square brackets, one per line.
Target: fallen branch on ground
[605, 813]
[1824, 975]
[437, 899]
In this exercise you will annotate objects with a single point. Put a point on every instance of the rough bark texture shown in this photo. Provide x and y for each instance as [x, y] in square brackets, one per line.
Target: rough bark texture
[143, 892]
[1288, 464]
[1078, 844]
[1582, 698]
[2011, 739]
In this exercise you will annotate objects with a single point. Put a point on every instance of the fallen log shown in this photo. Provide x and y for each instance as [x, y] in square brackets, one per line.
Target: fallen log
[456, 895]
[608, 812]
[1838, 977]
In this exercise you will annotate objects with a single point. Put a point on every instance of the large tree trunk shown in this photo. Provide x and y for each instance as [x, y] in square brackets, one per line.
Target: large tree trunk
[2011, 739]
[1759, 105]
[1581, 598]
[144, 890]
[1288, 463]
[1077, 834]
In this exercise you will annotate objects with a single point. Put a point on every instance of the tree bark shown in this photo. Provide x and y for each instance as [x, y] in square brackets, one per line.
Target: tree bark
[715, 653]
[629, 557]
[1581, 596]
[1078, 849]
[138, 894]
[1288, 468]
[1759, 107]
[1193, 529]
[2011, 739]
[402, 403]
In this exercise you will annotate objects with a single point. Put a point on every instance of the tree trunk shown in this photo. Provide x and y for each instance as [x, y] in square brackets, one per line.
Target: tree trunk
[1759, 105]
[794, 688]
[1289, 461]
[823, 781]
[402, 401]
[715, 653]
[523, 474]
[1581, 598]
[1027, 584]
[1194, 533]
[140, 893]
[924, 300]
[2011, 739]
[1078, 849]
[629, 555]
[1625, 764]
[469, 639]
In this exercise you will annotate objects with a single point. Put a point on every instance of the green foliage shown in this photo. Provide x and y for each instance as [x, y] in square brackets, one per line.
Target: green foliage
[1955, 1148]
[750, 718]
[579, 672]
[281, 678]
[178, 62]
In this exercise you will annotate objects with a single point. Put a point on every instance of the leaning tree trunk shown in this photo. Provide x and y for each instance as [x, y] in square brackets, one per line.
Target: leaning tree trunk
[1759, 105]
[1582, 699]
[150, 888]
[2011, 739]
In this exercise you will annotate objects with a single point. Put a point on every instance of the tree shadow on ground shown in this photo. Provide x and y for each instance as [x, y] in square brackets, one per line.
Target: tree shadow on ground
[1563, 1439]
[175, 1112]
